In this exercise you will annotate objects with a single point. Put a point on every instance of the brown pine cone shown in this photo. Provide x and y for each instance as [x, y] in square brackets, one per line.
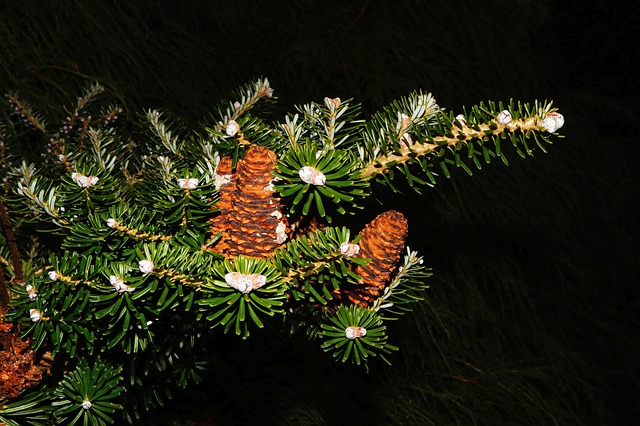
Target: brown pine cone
[254, 219]
[382, 240]
[19, 368]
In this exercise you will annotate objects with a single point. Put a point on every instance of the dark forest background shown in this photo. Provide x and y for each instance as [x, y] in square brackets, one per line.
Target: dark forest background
[533, 315]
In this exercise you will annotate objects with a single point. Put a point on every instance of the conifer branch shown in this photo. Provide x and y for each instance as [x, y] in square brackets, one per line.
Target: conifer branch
[228, 229]
[5, 298]
[26, 114]
[114, 224]
[18, 276]
[247, 98]
[456, 137]
[179, 277]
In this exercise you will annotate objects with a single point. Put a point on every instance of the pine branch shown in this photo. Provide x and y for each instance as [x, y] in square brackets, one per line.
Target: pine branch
[184, 233]
[416, 150]
[18, 276]
[245, 99]
[5, 298]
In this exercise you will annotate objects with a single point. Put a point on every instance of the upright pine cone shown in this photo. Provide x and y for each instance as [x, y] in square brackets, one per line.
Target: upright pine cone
[382, 240]
[253, 217]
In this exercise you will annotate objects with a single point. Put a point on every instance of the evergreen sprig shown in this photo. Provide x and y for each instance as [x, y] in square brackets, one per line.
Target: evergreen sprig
[311, 177]
[242, 290]
[408, 286]
[315, 268]
[85, 394]
[32, 408]
[438, 140]
[131, 269]
[354, 334]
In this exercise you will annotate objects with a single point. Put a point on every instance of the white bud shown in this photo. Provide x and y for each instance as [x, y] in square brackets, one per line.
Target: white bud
[84, 181]
[244, 283]
[463, 120]
[349, 250]
[145, 266]
[191, 183]
[236, 105]
[112, 223]
[552, 122]
[119, 284]
[405, 120]
[232, 128]
[352, 333]
[335, 102]
[53, 276]
[312, 176]
[35, 315]
[86, 404]
[31, 292]
[504, 117]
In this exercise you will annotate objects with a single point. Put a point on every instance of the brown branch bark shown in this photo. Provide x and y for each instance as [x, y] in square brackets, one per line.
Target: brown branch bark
[4, 295]
[18, 276]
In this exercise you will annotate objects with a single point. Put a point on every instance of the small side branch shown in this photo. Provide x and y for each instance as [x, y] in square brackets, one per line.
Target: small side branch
[15, 257]
[458, 137]
[4, 294]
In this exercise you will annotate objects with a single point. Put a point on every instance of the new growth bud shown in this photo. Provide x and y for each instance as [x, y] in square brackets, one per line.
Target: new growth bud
[353, 333]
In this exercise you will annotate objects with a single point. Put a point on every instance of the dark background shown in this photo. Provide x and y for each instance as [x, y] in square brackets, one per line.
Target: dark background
[533, 312]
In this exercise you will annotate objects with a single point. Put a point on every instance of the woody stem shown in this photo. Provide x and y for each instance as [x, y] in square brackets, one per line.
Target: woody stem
[18, 276]
[4, 294]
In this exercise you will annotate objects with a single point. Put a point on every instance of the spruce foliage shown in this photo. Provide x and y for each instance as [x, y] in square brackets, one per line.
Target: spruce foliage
[129, 267]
